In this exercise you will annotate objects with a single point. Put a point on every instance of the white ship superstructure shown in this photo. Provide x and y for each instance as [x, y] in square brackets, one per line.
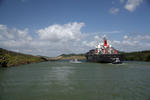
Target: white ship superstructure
[105, 48]
[104, 53]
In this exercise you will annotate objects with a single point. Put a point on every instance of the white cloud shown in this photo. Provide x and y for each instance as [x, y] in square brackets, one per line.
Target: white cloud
[14, 38]
[51, 41]
[133, 43]
[95, 40]
[116, 42]
[10, 34]
[64, 32]
[131, 5]
[67, 38]
[114, 10]
[125, 37]
[127, 42]
[91, 44]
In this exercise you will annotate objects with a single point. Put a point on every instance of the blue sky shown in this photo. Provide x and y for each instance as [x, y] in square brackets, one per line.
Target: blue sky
[40, 22]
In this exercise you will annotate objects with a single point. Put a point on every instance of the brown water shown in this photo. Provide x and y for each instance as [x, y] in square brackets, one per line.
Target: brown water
[70, 81]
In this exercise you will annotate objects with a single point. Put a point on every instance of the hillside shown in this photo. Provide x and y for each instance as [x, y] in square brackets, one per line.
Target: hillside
[73, 56]
[9, 58]
[137, 56]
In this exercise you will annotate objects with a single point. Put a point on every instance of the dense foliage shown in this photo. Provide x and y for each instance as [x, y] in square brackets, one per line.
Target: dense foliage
[137, 56]
[9, 58]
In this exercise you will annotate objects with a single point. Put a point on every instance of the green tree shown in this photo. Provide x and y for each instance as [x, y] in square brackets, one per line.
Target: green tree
[3, 60]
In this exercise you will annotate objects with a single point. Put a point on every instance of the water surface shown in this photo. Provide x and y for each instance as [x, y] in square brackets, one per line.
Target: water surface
[70, 81]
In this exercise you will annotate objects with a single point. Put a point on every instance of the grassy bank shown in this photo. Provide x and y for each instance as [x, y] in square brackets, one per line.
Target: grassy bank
[9, 58]
[137, 56]
[73, 56]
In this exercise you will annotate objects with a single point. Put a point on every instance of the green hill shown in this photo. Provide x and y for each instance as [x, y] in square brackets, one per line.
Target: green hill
[73, 56]
[137, 56]
[9, 58]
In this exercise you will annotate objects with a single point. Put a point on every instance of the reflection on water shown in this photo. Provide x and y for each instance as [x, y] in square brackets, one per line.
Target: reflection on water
[70, 81]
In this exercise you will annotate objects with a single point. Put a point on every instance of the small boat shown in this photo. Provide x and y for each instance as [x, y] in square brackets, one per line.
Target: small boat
[117, 61]
[75, 61]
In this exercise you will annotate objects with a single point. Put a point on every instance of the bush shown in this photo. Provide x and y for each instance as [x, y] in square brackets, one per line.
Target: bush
[3, 61]
[148, 58]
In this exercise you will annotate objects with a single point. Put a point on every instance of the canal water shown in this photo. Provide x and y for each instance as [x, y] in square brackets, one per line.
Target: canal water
[63, 80]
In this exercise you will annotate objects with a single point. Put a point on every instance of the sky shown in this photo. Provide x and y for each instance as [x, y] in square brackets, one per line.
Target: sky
[54, 27]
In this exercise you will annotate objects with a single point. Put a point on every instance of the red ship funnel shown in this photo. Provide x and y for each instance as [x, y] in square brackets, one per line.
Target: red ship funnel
[105, 42]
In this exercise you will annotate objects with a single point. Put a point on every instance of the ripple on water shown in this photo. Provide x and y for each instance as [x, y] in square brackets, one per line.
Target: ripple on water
[67, 81]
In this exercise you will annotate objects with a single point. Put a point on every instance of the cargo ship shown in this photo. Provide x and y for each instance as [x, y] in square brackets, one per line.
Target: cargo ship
[104, 53]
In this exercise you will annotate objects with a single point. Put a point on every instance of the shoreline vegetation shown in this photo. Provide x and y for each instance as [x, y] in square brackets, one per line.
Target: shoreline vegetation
[10, 58]
[73, 56]
[137, 56]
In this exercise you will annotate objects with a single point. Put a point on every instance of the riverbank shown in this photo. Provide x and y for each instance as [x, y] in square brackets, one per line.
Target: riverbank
[73, 56]
[10, 58]
[137, 56]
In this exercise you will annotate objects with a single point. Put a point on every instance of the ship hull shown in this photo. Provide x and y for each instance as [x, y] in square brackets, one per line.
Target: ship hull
[103, 58]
